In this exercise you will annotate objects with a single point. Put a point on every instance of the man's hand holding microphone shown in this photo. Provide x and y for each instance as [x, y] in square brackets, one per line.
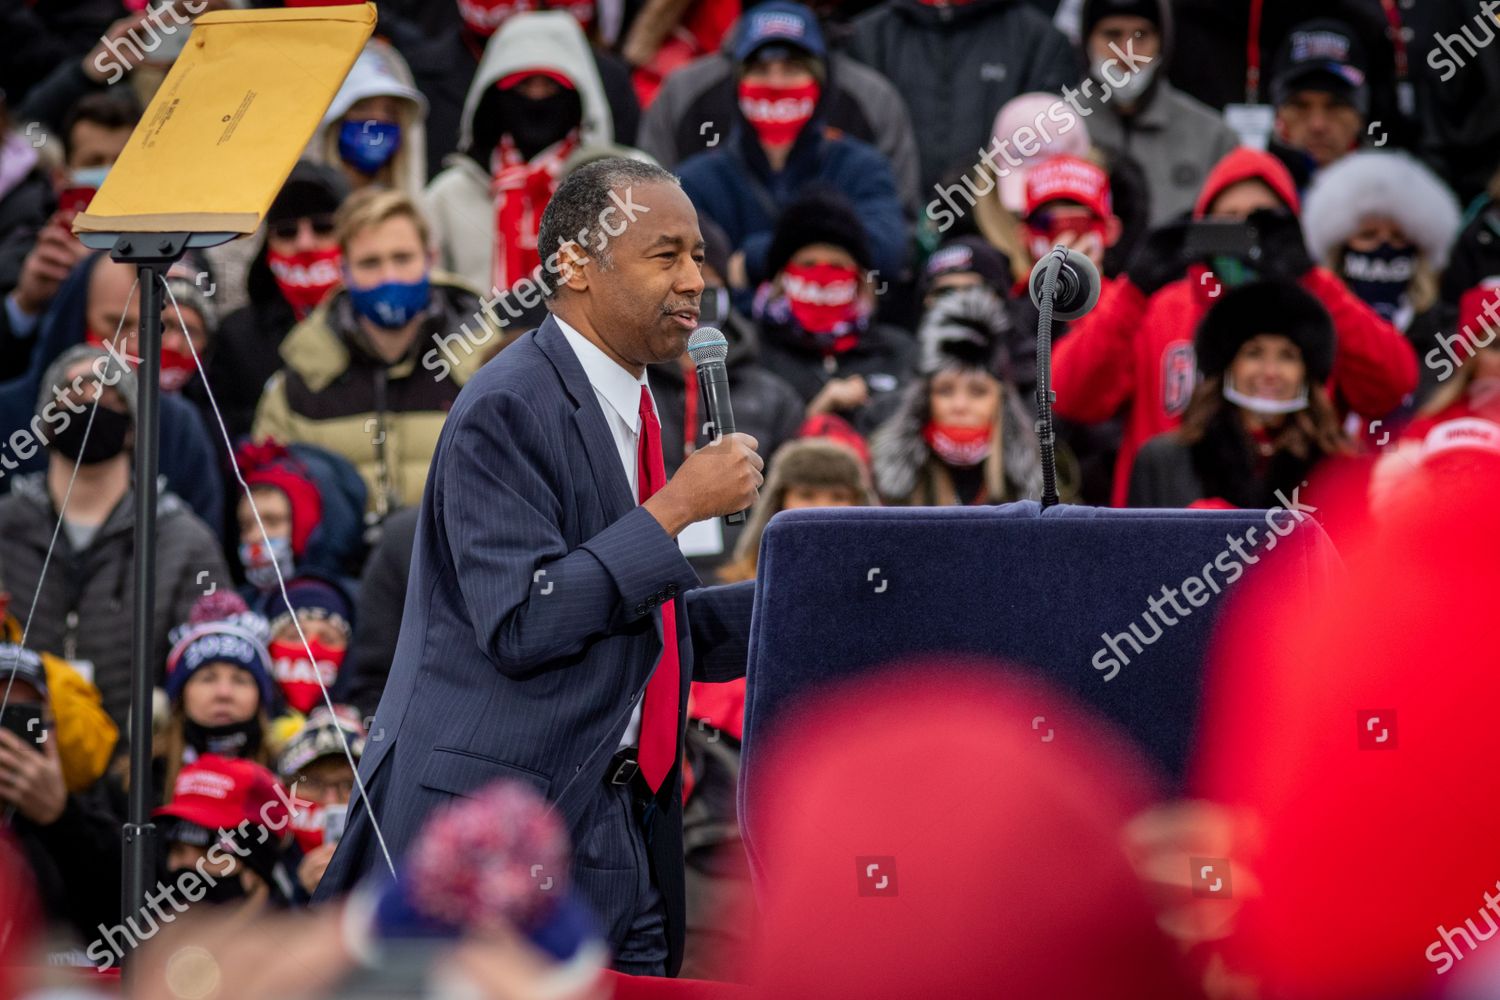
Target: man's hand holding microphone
[716, 480]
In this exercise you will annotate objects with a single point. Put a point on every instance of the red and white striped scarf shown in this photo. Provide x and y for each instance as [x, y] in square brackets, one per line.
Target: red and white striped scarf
[521, 189]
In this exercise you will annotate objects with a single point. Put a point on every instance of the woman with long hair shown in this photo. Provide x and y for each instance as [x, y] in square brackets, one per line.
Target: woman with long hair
[961, 434]
[1260, 419]
[219, 687]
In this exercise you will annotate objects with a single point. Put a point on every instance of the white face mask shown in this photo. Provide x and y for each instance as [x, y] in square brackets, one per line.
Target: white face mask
[1135, 85]
[1263, 406]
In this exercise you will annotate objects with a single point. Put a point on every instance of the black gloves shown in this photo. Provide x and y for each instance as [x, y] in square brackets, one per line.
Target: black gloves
[1159, 260]
[1284, 253]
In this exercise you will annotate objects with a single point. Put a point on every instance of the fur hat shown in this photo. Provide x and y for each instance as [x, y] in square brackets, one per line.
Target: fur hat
[1266, 307]
[967, 329]
[821, 216]
[1369, 183]
[818, 462]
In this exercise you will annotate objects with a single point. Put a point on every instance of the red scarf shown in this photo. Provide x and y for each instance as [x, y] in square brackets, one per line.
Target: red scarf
[521, 190]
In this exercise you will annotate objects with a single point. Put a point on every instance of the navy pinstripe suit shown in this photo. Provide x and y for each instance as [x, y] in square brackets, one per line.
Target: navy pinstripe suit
[531, 627]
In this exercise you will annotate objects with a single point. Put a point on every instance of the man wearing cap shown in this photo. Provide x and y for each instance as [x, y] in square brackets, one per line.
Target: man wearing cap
[1175, 138]
[861, 103]
[777, 149]
[227, 823]
[1321, 96]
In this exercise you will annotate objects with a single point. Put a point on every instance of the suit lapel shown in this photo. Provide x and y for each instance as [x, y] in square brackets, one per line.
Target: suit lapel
[598, 442]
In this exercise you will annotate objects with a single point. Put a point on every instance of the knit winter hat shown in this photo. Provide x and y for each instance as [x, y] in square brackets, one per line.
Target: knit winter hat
[1098, 10]
[310, 189]
[969, 255]
[190, 295]
[271, 465]
[1266, 307]
[819, 217]
[110, 370]
[1391, 184]
[311, 597]
[325, 735]
[220, 642]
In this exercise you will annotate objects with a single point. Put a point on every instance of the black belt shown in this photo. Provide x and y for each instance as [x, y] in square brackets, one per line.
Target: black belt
[623, 767]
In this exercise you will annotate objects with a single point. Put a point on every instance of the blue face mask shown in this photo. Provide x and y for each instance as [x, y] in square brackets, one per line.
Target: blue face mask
[261, 561]
[87, 177]
[391, 305]
[368, 146]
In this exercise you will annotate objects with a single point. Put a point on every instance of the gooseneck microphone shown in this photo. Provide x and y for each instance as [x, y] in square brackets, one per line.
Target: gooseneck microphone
[709, 350]
[1064, 284]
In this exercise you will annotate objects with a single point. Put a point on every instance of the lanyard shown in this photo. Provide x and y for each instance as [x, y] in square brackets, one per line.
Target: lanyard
[1398, 38]
[1252, 54]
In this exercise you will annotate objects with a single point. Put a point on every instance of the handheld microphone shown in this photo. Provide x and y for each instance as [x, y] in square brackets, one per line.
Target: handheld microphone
[709, 350]
[1077, 283]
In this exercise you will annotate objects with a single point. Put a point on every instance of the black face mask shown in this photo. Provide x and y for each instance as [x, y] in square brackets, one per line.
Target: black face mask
[536, 124]
[224, 888]
[106, 438]
[234, 739]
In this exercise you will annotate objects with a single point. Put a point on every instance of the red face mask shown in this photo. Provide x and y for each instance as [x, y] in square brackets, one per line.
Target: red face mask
[1041, 241]
[778, 113]
[307, 825]
[822, 297]
[957, 446]
[176, 369]
[297, 678]
[484, 17]
[306, 276]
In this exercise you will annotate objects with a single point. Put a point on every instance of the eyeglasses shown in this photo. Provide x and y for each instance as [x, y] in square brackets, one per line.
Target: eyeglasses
[343, 788]
[287, 229]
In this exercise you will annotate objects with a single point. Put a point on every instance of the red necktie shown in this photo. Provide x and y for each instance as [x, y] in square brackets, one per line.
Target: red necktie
[659, 707]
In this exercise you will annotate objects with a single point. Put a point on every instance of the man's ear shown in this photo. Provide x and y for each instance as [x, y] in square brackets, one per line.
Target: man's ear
[571, 261]
[1113, 230]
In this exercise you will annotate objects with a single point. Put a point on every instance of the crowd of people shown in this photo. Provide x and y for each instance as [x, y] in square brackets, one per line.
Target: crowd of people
[1295, 209]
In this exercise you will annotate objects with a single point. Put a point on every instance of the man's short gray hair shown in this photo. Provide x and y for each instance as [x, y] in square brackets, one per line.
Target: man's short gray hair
[580, 201]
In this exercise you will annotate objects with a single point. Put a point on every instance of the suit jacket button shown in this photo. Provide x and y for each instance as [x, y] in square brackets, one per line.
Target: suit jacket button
[640, 609]
[671, 590]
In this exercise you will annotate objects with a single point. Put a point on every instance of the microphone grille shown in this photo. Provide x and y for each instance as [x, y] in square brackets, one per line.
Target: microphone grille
[707, 345]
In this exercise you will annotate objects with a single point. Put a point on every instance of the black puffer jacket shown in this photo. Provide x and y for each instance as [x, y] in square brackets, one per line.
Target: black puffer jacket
[956, 65]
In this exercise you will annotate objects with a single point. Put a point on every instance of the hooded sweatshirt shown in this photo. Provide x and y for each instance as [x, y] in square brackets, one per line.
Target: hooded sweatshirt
[380, 72]
[1175, 138]
[458, 202]
[1138, 351]
[186, 448]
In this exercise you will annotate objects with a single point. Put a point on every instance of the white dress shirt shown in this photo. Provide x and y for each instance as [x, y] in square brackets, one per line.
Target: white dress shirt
[619, 396]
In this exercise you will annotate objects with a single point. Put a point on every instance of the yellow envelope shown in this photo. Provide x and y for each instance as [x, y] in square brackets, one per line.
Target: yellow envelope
[222, 133]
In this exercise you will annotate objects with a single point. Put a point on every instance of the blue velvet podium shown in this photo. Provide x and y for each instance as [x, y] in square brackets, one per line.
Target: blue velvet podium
[844, 592]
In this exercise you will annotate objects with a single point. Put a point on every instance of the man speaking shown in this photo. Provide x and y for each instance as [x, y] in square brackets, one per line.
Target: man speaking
[551, 627]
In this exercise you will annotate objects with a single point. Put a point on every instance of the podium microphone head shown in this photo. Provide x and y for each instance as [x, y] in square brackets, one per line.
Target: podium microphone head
[707, 345]
[1078, 284]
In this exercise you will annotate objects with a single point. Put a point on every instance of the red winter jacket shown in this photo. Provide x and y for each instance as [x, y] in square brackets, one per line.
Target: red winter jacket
[1139, 350]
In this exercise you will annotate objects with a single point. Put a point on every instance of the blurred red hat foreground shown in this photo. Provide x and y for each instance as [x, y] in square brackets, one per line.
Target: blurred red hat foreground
[954, 833]
[1356, 732]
